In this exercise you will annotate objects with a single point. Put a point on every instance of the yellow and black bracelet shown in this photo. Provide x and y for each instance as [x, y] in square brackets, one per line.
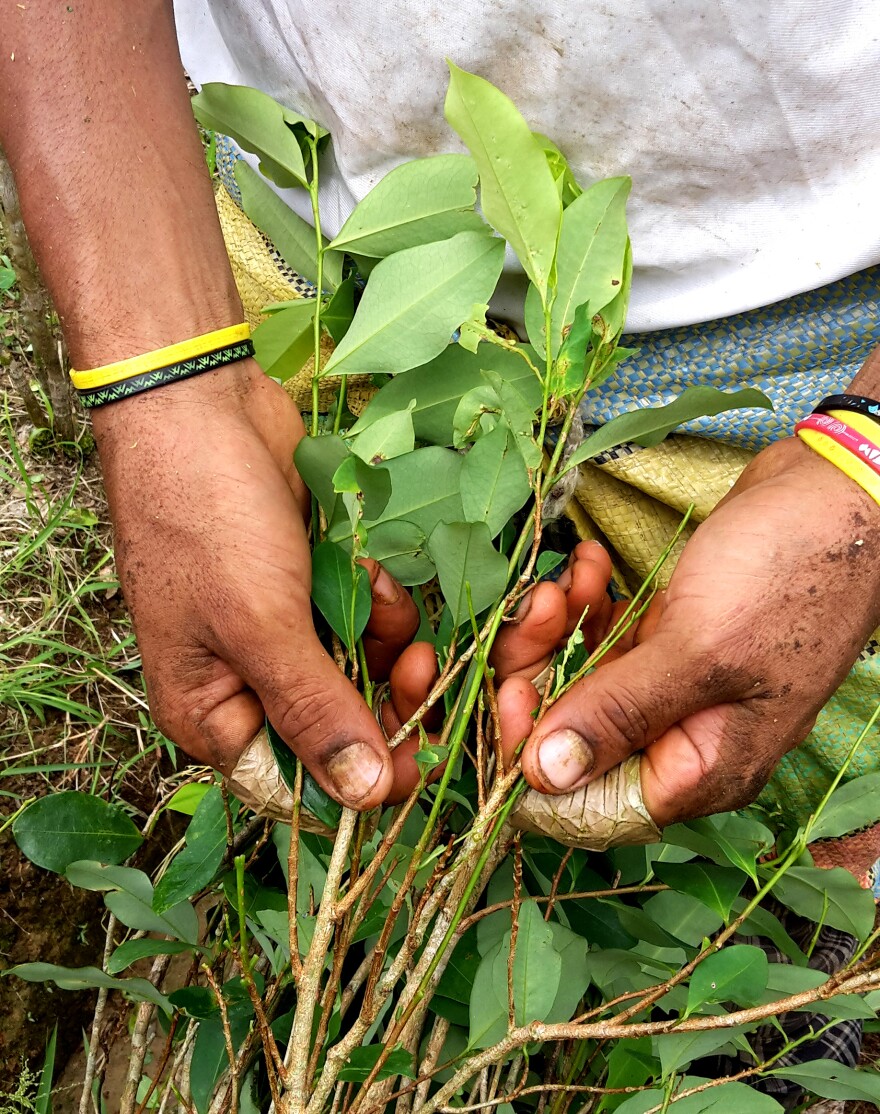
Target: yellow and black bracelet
[171, 364]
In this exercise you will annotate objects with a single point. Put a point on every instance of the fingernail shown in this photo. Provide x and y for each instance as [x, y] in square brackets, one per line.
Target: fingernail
[564, 582]
[384, 589]
[354, 771]
[564, 758]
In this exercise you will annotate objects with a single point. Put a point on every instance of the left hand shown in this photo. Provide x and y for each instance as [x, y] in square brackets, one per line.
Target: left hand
[771, 602]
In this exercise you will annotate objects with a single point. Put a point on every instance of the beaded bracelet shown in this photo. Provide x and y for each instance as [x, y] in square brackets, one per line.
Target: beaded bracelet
[171, 364]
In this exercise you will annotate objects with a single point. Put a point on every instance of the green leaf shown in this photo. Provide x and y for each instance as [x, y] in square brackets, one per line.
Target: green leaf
[851, 806]
[341, 591]
[572, 951]
[362, 1061]
[317, 460]
[630, 1064]
[828, 896]
[715, 886]
[414, 301]
[728, 1098]
[537, 967]
[356, 476]
[186, 798]
[737, 973]
[339, 311]
[400, 546]
[417, 203]
[651, 424]
[293, 237]
[494, 481]
[133, 950]
[43, 1097]
[785, 979]
[424, 489]
[677, 1050]
[61, 828]
[130, 898]
[438, 386]
[284, 341]
[548, 560]
[473, 330]
[210, 1060]
[195, 866]
[388, 437]
[464, 555]
[258, 124]
[87, 978]
[457, 979]
[517, 192]
[831, 1080]
[589, 261]
[761, 922]
[725, 839]
[683, 916]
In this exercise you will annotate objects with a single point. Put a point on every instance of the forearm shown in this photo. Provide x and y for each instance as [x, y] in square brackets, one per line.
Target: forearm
[96, 122]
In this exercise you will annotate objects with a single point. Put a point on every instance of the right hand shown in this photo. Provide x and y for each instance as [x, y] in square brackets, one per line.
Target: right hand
[214, 562]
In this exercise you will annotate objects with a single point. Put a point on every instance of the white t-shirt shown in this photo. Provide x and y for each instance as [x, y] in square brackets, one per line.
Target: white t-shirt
[751, 128]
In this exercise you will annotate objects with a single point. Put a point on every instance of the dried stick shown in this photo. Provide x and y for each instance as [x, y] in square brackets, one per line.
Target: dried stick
[100, 1007]
[227, 1034]
[139, 1038]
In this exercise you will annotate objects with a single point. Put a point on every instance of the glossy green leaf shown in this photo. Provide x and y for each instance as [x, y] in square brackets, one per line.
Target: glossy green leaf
[293, 237]
[362, 1061]
[388, 437]
[186, 799]
[416, 203]
[850, 807]
[494, 481]
[414, 301]
[356, 477]
[761, 922]
[566, 185]
[728, 1098]
[651, 424]
[464, 555]
[630, 1064]
[424, 489]
[458, 977]
[209, 1058]
[715, 886]
[87, 978]
[575, 978]
[130, 898]
[438, 386]
[133, 950]
[341, 591]
[828, 896]
[63, 827]
[830, 1080]
[682, 916]
[195, 866]
[284, 342]
[677, 1050]
[339, 312]
[548, 560]
[257, 123]
[589, 261]
[726, 839]
[401, 547]
[738, 973]
[518, 195]
[317, 460]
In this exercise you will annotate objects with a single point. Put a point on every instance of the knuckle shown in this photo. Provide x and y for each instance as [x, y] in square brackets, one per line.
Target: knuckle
[305, 712]
[619, 721]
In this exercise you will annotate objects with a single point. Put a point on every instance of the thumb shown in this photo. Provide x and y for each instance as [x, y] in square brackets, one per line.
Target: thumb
[619, 709]
[324, 721]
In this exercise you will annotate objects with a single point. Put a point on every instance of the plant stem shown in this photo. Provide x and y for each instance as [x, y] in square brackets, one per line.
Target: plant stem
[319, 281]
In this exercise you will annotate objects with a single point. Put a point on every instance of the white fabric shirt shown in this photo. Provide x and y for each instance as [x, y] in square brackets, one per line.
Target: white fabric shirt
[751, 128]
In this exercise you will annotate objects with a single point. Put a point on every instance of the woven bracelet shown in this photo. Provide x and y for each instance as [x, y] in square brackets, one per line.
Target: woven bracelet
[162, 376]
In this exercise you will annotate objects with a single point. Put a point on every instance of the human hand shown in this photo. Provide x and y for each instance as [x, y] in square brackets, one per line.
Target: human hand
[771, 602]
[214, 561]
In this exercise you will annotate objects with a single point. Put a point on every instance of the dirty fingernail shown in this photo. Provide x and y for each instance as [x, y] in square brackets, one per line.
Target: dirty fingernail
[524, 607]
[354, 771]
[564, 758]
[384, 589]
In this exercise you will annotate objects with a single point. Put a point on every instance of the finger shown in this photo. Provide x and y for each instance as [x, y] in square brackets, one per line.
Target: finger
[526, 644]
[319, 714]
[393, 622]
[412, 678]
[585, 583]
[648, 622]
[617, 710]
[407, 773]
[518, 701]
